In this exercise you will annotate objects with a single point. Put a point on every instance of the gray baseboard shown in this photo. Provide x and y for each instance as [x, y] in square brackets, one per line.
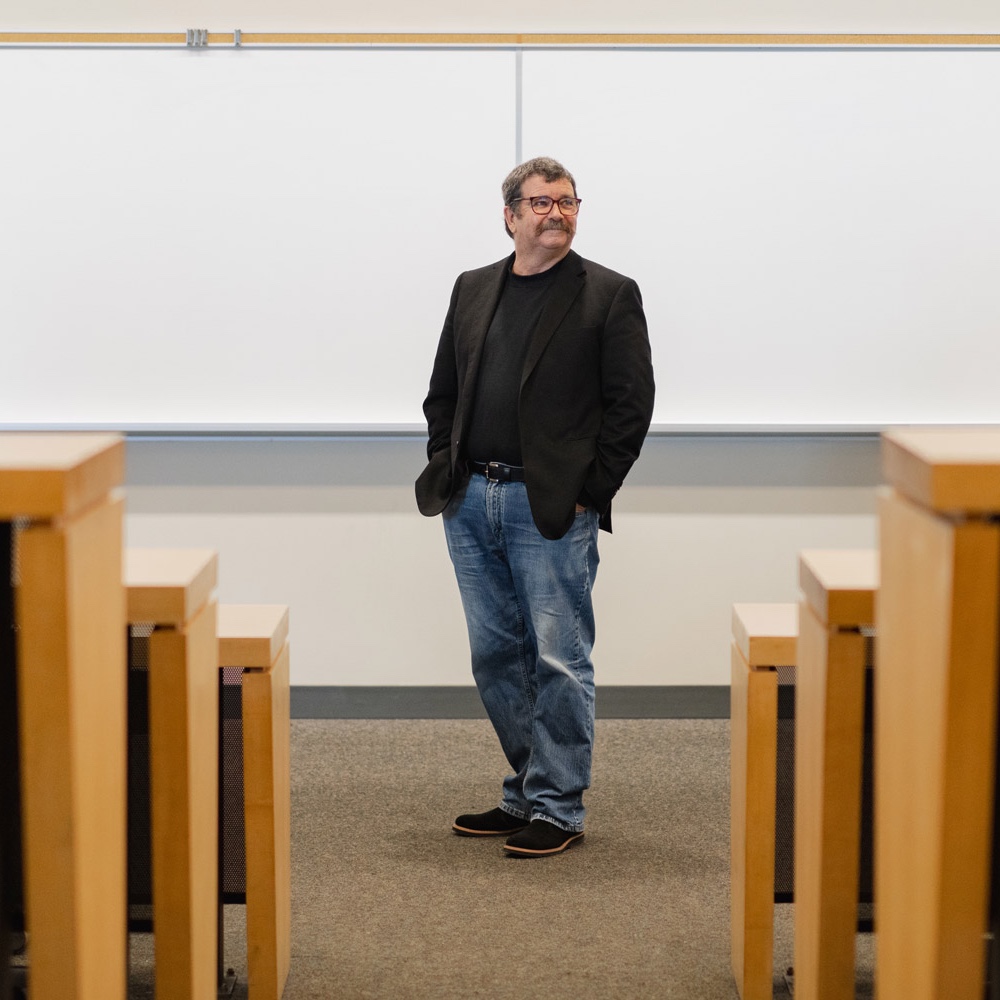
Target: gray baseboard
[613, 702]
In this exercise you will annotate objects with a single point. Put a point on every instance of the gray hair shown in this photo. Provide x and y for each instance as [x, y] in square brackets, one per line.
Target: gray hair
[547, 168]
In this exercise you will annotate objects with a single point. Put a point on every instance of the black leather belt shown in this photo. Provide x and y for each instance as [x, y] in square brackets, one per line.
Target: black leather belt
[497, 472]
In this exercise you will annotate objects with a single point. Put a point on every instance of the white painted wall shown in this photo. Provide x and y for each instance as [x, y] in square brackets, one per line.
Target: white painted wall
[561, 16]
[330, 528]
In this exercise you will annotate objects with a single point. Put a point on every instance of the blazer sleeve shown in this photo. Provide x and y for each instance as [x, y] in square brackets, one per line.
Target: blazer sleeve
[627, 391]
[442, 394]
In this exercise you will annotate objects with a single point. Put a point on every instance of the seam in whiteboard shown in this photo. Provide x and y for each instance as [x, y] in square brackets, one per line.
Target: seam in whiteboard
[518, 105]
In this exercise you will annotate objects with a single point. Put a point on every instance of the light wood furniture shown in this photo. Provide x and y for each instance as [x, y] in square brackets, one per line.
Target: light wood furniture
[839, 602]
[936, 706]
[255, 637]
[173, 589]
[60, 490]
[764, 639]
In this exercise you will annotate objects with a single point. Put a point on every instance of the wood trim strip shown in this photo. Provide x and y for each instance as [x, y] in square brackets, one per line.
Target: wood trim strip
[100, 38]
[495, 39]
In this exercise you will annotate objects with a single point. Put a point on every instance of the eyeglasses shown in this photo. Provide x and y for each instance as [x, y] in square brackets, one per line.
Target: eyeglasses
[542, 204]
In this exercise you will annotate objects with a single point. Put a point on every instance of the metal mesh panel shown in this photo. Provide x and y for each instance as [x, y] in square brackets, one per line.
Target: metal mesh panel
[784, 847]
[233, 861]
[140, 861]
[784, 813]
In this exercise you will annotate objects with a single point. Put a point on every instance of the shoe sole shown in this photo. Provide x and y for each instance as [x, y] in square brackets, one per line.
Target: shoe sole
[529, 853]
[465, 831]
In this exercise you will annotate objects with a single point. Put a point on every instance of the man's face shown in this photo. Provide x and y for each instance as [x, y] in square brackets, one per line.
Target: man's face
[546, 233]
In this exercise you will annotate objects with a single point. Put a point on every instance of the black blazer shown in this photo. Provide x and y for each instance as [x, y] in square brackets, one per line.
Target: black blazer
[586, 391]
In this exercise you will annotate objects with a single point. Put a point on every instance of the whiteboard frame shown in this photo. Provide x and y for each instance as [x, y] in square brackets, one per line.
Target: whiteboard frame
[516, 43]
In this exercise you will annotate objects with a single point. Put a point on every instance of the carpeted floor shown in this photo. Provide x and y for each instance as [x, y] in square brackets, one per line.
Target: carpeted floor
[388, 903]
[639, 909]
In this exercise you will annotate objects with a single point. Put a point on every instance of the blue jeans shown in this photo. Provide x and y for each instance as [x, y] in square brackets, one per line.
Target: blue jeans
[530, 616]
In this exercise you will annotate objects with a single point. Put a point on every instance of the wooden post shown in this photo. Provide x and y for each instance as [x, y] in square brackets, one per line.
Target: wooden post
[71, 675]
[764, 638]
[936, 710]
[839, 599]
[173, 589]
[255, 637]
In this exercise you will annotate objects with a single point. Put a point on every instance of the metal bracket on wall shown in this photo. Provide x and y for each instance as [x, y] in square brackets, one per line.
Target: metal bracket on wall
[197, 38]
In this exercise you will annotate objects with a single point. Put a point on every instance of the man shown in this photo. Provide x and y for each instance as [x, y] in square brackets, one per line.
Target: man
[539, 401]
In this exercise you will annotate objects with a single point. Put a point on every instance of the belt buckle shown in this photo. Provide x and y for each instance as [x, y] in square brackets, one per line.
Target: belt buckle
[494, 472]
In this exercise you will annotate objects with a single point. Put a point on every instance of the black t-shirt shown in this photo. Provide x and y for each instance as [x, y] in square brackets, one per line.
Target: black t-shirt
[494, 431]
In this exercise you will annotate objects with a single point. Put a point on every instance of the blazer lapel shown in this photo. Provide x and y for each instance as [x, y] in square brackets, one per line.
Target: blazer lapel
[474, 324]
[482, 305]
[568, 285]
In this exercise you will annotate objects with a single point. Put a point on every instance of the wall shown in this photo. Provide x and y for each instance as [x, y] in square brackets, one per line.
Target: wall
[328, 526]
[894, 16]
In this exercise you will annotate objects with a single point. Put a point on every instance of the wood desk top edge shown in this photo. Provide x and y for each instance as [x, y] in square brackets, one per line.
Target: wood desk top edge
[167, 586]
[840, 584]
[45, 475]
[766, 634]
[948, 469]
[251, 635]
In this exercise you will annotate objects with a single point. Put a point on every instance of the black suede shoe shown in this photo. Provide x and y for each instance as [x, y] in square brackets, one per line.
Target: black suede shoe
[495, 823]
[539, 838]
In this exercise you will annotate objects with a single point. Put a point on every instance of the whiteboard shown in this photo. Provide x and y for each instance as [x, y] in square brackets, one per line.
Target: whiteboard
[266, 239]
[816, 232]
[240, 239]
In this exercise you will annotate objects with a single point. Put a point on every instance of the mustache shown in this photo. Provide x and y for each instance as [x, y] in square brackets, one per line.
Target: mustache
[555, 224]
